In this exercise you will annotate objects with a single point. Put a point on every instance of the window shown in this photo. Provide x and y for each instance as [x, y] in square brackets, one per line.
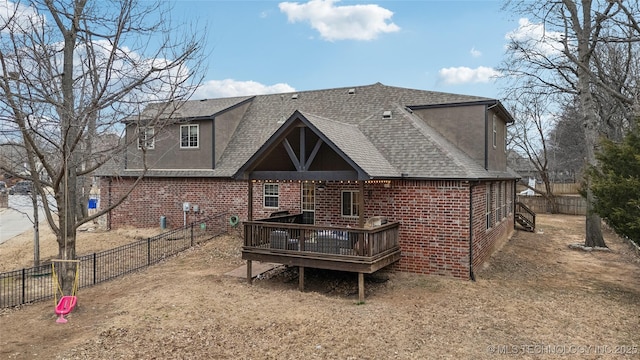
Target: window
[271, 195]
[510, 197]
[489, 202]
[350, 203]
[505, 138]
[146, 138]
[189, 136]
[499, 203]
[503, 185]
[495, 132]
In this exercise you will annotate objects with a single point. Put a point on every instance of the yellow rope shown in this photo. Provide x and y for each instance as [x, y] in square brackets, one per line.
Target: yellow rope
[56, 280]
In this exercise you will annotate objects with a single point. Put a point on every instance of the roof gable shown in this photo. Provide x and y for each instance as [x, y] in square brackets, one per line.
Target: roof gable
[308, 141]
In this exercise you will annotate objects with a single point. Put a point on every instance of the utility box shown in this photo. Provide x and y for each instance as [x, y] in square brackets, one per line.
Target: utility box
[163, 222]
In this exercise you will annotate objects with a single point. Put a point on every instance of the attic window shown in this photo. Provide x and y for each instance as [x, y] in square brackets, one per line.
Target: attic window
[294, 96]
[352, 91]
[386, 114]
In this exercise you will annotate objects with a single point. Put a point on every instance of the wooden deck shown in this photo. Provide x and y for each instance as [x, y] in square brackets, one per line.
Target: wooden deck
[358, 250]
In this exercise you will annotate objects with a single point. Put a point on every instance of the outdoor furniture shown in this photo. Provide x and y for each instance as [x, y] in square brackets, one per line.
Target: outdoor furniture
[280, 239]
[333, 242]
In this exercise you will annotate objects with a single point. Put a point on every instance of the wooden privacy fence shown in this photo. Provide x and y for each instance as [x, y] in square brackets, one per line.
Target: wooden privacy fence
[556, 188]
[33, 284]
[567, 204]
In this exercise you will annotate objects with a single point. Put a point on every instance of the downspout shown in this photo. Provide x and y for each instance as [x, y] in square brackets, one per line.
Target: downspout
[213, 143]
[471, 274]
[486, 138]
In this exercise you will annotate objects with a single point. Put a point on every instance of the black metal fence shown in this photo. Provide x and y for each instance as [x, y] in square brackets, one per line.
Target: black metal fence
[33, 284]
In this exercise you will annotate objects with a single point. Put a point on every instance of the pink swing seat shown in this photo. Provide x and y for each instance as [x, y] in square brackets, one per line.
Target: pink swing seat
[65, 306]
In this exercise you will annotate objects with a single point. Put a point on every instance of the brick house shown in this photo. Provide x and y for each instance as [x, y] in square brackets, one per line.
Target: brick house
[412, 179]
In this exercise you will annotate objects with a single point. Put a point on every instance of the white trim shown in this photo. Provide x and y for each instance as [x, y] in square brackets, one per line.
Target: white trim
[149, 144]
[189, 126]
[271, 196]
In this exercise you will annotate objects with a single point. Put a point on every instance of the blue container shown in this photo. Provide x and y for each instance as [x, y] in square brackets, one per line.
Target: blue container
[93, 203]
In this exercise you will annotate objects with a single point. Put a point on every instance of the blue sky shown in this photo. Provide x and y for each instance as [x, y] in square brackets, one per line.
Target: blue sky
[274, 46]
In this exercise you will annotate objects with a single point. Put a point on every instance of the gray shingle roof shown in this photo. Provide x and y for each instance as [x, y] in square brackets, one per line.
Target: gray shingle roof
[403, 144]
[355, 145]
[191, 109]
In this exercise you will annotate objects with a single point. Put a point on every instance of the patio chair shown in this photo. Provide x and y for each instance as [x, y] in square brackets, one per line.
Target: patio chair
[280, 239]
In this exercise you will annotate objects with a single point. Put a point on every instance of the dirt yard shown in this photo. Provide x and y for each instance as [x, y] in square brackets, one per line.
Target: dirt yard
[535, 298]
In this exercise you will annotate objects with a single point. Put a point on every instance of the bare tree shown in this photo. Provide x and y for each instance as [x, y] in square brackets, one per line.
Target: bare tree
[568, 56]
[70, 72]
[567, 144]
[529, 136]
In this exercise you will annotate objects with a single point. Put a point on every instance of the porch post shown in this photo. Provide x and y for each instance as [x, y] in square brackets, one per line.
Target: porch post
[361, 287]
[249, 218]
[361, 204]
[301, 278]
[250, 200]
[249, 272]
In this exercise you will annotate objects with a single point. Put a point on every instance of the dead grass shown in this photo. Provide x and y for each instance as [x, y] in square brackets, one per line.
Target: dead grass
[17, 252]
[535, 297]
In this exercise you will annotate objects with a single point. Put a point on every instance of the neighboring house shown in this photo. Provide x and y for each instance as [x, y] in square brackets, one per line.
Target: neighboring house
[380, 175]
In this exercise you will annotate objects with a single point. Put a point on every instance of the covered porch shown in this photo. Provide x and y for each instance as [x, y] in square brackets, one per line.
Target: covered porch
[302, 151]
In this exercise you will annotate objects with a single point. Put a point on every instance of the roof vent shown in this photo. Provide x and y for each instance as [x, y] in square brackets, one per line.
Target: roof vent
[386, 114]
[294, 96]
[352, 91]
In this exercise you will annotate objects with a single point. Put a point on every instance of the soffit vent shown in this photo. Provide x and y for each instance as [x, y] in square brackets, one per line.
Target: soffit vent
[386, 114]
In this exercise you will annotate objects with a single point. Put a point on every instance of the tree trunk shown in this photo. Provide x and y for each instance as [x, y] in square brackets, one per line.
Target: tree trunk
[68, 191]
[593, 230]
[36, 229]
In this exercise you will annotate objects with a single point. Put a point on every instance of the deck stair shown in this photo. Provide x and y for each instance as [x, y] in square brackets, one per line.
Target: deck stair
[525, 217]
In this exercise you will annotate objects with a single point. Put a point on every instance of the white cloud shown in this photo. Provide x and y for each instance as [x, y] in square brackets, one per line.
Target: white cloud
[536, 37]
[475, 53]
[229, 87]
[351, 22]
[465, 75]
[18, 18]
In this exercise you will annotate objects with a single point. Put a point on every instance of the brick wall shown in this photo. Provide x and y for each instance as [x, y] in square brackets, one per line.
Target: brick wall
[486, 241]
[434, 232]
[434, 215]
[288, 199]
[156, 197]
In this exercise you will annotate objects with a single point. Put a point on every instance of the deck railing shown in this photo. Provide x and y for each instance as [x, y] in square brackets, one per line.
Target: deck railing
[525, 216]
[300, 239]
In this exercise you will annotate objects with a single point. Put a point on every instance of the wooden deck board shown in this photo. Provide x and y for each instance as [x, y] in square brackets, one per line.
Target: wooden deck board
[362, 264]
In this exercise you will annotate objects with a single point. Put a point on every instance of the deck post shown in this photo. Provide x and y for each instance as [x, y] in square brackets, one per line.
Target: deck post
[301, 278]
[361, 287]
[249, 272]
